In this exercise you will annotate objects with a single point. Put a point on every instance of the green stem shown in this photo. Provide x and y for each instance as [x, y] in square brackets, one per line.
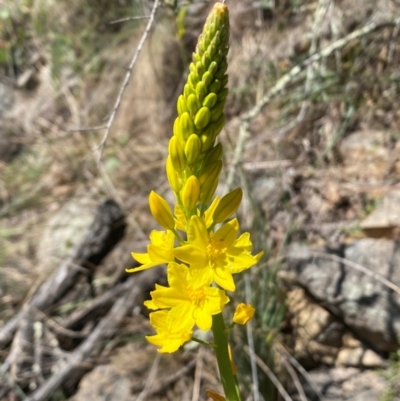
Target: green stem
[228, 379]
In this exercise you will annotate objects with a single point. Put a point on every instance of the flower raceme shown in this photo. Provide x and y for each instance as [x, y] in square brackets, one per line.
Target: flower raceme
[200, 243]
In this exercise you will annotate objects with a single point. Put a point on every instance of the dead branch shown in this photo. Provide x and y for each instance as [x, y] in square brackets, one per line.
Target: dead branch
[105, 232]
[94, 308]
[71, 369]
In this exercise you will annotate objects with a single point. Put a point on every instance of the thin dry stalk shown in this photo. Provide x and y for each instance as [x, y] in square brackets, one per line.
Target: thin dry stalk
[126, 80]
[150, 379]
[286, 79]
[295, 379]
[270, 374]
[281, 349]
[198, 375]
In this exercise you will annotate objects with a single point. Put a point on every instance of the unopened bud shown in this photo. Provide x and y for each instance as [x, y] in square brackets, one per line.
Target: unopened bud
[213, 67]
[208, 191]
[217, 110]
[210, 173]
[207, 78]
[193, 104]
[177, 154]
[161, 211]
[173, 178]
[190, 193]
[210, 100]
[201, 90]
[200, 69]
[181, 105]
[227, 205]
[192, 148]
[208, 138]
[215, 86]
[202, 118]
[243, 313]
[186, 126]
[219, 124]
[213, 154]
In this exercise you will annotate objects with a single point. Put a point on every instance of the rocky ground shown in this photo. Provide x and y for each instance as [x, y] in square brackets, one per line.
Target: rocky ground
[320, 168]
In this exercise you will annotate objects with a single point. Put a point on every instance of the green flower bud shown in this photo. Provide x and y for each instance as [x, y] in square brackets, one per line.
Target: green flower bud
[177, 154]
[190, 193]
[177, 128]
[194, 78]
[209, 174]
[208, 192]
[188, 90]
[201, 107]
[161, 211]
[181, 105]
[201, 90]
[224, 80]
[208, 138]
[227, 205]
[219, 124]
[202, 118]
[213, 67]
[186, 126]
[213, 155]
[192, 148]
[210, 100]
[207, 78]
[200, 69]
[222, 67]
[206, 60]
[222, 95]
[173, 178]
[215, 86]
[193, 104]
[196, 57]
[217, 111]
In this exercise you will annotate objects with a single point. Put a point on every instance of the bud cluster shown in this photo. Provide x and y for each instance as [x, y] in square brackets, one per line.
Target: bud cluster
[194, 161]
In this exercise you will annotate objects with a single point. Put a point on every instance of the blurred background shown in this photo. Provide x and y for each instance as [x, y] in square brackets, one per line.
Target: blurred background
[312, 137]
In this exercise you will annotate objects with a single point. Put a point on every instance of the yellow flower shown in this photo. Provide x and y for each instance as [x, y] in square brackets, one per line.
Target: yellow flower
[159, 251]
[190, 304]
[168, 338]
[243, 313]
[216, 256]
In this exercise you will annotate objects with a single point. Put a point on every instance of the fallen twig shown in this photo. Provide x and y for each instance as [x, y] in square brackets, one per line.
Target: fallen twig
[105, 232]
[95, 342]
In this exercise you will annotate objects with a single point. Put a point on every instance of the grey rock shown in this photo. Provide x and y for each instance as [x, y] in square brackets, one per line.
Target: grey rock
[368, 307]
[385, 219]
[104, 383]
[343, 383]
[64, 231]
[364, 147]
